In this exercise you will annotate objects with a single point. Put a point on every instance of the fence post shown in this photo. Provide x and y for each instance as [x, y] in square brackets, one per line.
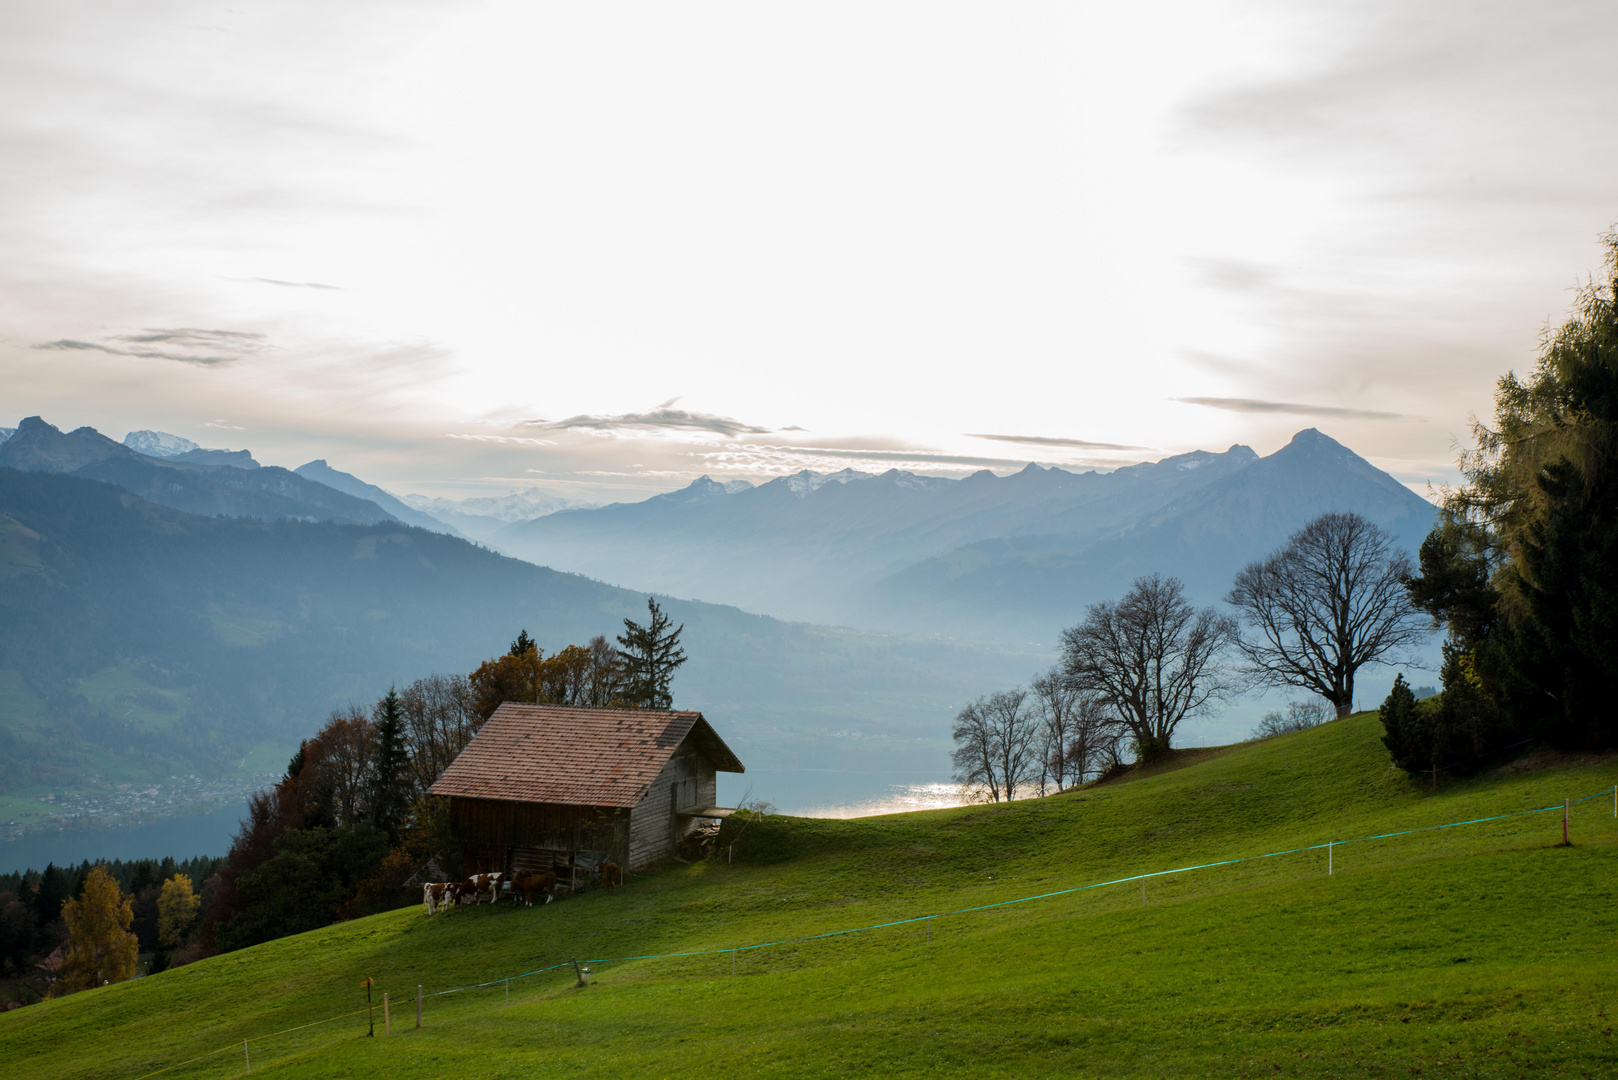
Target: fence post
[929, 930]
[387, 1023]
[247, 1056]
[1142, 892]
[418, 1005]
[508, 991]
[733, 961]
[1566, 806]
[1328, 858]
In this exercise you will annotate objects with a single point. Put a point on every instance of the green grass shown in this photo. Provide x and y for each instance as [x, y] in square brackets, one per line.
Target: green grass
[1475, 951]
[123, 694]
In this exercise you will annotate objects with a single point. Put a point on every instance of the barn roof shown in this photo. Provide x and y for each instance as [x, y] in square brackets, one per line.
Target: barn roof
[575, 756]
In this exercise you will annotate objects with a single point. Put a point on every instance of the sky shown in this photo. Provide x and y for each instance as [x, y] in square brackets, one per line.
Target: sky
[464, 248]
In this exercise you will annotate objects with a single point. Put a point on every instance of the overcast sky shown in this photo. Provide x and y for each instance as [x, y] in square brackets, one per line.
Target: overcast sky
[602, 249]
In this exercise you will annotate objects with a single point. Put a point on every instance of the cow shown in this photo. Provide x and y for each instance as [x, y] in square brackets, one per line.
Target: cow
[434, 893]
[611, 875]
[475, 885]
[526, 884]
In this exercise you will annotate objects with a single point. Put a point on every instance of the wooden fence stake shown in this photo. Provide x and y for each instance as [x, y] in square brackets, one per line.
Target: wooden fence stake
[1142, 892]
[1566, 806]
[929, 930]
[508, 991]
[733, 961]
[1328, 858]
[247, 1056]
[387, 1023]
[418, 1005]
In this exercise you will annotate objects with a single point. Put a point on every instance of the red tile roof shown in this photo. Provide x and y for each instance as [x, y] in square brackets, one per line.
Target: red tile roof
[575, 756]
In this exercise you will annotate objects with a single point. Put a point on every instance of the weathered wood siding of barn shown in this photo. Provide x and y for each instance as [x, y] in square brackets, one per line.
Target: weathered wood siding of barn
[687, 780]
[498, 835]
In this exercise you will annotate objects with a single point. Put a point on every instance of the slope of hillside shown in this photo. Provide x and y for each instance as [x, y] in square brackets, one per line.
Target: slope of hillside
[1478, 950]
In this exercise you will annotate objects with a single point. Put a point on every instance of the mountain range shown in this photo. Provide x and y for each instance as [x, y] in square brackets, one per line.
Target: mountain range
[1018, 556]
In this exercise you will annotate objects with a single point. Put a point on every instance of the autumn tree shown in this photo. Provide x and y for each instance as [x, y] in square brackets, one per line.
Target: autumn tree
[649, 655]
[438, 723]
[177, 908]
[100, 948]
[512, 677]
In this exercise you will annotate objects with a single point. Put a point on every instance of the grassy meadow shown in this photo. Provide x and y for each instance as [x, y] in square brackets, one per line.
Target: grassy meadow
[1480, 951]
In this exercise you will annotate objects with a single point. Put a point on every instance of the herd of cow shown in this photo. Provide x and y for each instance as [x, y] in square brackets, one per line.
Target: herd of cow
[438, 895]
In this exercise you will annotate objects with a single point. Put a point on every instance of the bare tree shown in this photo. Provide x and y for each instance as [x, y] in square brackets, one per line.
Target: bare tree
[439, 722]
[1016, 738]
[975, 753]
[1093, 739]
[1151, 658]
[1077, 731]
[997, 744]
[1327, 604]
[1299, 716]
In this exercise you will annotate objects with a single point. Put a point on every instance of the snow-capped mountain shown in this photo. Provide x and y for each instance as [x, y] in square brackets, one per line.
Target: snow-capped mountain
[159, 444]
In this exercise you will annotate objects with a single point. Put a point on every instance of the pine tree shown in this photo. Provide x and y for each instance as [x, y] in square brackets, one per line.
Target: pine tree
[390, 800]
[649, 654]
[522, 645]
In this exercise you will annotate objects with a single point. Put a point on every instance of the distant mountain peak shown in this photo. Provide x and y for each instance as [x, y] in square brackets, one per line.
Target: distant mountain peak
[806, 481]
[159, 444]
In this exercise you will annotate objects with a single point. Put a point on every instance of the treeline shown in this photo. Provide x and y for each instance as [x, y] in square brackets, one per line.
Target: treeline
[1522, 569]
[31, 902]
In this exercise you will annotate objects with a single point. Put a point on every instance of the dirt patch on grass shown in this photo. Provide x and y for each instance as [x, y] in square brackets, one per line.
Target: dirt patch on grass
[1175, 759]
[1546, 757]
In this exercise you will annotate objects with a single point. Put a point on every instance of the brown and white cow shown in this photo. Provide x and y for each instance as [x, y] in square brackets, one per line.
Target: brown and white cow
[477, 884]
[526, 884]
[438, 895]
[611, 875]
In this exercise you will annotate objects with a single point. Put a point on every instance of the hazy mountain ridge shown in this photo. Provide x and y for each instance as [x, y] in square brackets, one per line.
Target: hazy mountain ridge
[195, 481]
[254, 629]
[815, 547]
[322, 473]
[1202, 536]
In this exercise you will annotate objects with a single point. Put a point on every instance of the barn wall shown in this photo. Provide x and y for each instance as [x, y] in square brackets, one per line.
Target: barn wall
[688, 780]
[504, 836]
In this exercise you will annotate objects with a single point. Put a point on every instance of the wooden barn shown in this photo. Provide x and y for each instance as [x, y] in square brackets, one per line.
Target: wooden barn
[543, 786]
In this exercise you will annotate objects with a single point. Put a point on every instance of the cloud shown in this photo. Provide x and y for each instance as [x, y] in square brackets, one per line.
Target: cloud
[518, 439]
[757, 457]
[1253, 405]
[662, 418]
[222, 424]
[1051, 440]
[185, 345]
[294, 284]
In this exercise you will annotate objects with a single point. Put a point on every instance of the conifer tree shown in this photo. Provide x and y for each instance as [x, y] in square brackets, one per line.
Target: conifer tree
[390, 799]
[648, 655]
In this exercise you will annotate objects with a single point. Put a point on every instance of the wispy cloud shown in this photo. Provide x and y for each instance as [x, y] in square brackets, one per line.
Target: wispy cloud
[516, 439]
[755, 457]
[1254, 405]
[185, 345]
[662, 418]
[1052, 440]
[294, 284]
